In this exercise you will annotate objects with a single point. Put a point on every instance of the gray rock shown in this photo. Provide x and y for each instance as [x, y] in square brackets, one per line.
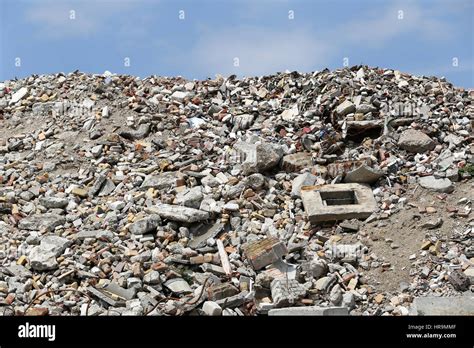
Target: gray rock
[210, 231]
[309, 311]
[258, 157]
[180, 96]
[152, 278]
[19, 95]
[146, 225]
[211, 308]
[107, 188]
[54, 202]
[315, 268]
[54, 244]
[348, 300]
[346, 107]
[415, 141]
[255, 181]
[363, 175]
[142, 131]
[41, 260]
[335, 296]
[18, 271]
[178, 286]
[190, 197]
[286, 291]
[461, 305]
[115, 289]
[164, 181]
[452, 174]
[305, 179]
[41, 221]
[178, 213]
[95, 234]
[438, 185]
[99, 182]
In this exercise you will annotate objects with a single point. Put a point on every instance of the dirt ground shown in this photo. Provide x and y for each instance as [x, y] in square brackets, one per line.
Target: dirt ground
[405, 230]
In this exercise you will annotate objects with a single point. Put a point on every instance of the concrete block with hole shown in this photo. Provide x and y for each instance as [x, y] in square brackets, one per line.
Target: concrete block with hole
[338, 202]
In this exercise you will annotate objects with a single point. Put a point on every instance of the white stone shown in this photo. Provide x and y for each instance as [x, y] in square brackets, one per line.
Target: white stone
[211, 308]
[18, 95]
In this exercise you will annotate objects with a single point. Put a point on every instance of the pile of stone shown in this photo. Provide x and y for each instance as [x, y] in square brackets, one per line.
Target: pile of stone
[164, 196]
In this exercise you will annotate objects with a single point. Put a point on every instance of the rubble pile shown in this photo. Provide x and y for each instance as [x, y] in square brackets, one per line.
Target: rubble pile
[164, 196]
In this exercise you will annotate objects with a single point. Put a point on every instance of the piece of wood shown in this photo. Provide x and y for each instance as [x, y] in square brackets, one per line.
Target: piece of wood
[224, 257]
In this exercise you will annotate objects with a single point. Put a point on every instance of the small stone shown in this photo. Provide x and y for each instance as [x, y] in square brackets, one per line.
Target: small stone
[54, 202]
[152, 278]
[146, 225]
[80, 192]
[306, 179]
[459, 281]
[211, 308]
[379, 298]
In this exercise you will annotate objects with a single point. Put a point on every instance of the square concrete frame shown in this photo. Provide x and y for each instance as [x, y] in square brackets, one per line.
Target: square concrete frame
[346, 201]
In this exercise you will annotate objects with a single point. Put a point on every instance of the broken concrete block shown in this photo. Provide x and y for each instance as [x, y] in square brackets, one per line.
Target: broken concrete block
[415, 141]
[264, 252]
[286, 291]
[309, 311]
[462, 305]
[341, 168]
[233, 301]
[305, 179]
[258, 157]
[346, 107]
[459, 281]
[203, 234]
[221, 291]
[338, 202]
[178, 213]
[363, 175]
[296, 161]
[438, 185]
[211, 308]
[178, 286]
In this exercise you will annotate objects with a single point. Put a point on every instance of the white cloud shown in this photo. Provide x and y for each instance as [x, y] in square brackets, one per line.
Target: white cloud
[264, 50]
[377, 28]
[259, 51]
[54, 19]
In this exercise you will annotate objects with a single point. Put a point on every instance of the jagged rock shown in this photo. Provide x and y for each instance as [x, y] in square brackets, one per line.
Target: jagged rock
[415, 141]
[41, 221]
[146, 225]
[179, 213]
[438, 185]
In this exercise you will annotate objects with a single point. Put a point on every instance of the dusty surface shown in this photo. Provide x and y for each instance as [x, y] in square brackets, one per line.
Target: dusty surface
[405, 230]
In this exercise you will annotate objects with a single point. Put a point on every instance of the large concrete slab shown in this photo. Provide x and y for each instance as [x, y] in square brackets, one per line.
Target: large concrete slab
[309, 311]
[459, 305]
[338, 202]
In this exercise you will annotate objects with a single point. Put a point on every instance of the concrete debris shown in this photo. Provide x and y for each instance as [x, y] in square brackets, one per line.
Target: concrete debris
[460, 305]
[363, 175]
[415, 141]
[338, 202]
[289, 194]
[309, 311]
[439, 185]
[264, 252]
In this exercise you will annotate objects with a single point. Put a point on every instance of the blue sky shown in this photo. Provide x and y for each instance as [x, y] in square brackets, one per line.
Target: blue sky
[262, 36]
